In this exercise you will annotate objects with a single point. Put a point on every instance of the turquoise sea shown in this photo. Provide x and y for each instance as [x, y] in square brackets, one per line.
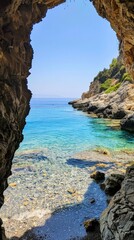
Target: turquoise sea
[55, 125]
[50, 181]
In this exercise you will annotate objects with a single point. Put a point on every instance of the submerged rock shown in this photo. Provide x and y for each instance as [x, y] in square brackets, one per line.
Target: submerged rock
[92, 200]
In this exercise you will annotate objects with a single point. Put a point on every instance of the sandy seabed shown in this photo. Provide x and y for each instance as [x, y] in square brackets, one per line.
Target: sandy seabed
[51, 199]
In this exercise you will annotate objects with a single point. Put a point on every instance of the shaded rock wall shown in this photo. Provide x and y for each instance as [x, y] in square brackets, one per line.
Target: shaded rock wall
[16, 20]
[117, 221]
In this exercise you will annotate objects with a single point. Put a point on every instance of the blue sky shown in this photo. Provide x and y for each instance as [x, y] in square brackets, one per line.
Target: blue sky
[71, 45]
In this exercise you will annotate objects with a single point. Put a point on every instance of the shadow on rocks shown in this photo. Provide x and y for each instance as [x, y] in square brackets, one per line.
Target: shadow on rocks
[67, 223]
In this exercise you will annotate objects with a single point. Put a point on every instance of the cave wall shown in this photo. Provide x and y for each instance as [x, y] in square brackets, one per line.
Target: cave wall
[117, 221]
[120, 14]
[17, 18]
[16, 21]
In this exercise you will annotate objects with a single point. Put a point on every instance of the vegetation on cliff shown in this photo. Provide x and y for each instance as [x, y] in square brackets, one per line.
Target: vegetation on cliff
[115, 75]
[110, 95]
[108, 80]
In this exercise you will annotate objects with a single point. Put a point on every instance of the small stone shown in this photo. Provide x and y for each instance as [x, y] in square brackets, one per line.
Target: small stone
[14, 184]
[25, 203]
[71, 191]
[98, 176]
[102, 165]
[92, 200]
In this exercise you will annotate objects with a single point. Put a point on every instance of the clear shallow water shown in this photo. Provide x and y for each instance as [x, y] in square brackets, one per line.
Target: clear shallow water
[49, 164]
[55, 125]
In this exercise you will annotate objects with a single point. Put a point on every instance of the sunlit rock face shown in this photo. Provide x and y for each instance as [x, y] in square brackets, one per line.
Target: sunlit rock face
[16, 20]
[117, 221]
[120, 14]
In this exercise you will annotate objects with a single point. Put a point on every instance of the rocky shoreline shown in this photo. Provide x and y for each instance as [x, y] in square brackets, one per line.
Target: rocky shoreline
[116, 222]
[116, 105]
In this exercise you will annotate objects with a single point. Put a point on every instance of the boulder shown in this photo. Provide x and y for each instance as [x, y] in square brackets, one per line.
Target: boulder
[112, 184]
[91, 224]
[98, 176]
[117, 221]
[92, 227]
[119, 114]
[127, 123]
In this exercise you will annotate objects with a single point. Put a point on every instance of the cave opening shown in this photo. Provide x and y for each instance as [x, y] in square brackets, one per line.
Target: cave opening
[71, 45]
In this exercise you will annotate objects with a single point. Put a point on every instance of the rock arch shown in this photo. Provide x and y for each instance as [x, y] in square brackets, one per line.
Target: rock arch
[17, 18]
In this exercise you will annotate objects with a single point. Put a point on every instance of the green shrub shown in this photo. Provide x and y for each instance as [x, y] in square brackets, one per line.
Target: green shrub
[114, 63]
[106, 84]
[122, 68]
[114, 68]
[122, 71]
[126, 77]
[102, 76]
[113, 88]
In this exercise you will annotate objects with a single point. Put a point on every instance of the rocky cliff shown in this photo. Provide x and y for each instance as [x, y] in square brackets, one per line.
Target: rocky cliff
[108, 80]
[16, 20]
[110, 95]
[120, 14]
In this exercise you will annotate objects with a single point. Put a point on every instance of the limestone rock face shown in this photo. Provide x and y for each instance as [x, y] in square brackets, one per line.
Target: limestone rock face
[120, 14]
[115, 105]
[117, 221]
[94, 89]
[110, 94]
